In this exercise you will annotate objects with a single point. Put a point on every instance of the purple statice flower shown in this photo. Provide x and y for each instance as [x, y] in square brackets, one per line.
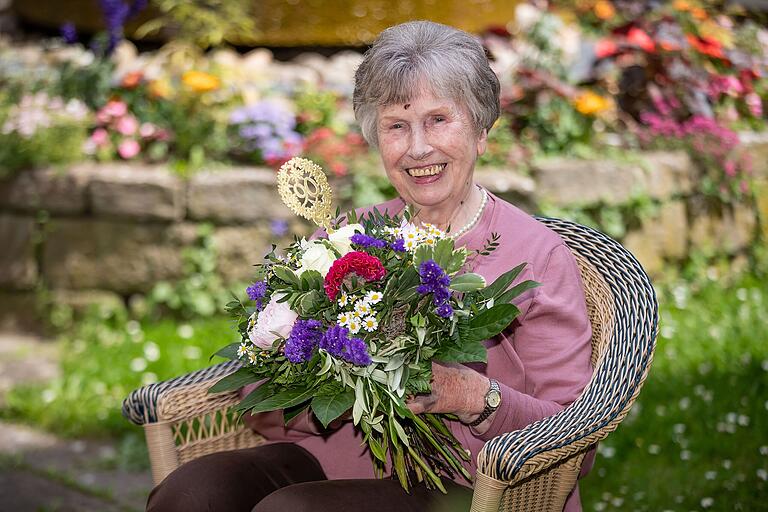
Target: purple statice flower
[269, 128]
[444, 310]
[398, 245]
[435, 281]
[336, 341]
[305, 336]
[68, 32]
[364, 240]
[256, 292]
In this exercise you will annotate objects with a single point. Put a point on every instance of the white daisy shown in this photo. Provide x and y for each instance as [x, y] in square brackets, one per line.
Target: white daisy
[242, 350]
[344, 318]
[354, 326]
[343, 299]
[362, 309]
[253, 358]
[370, 324]
[373, 297]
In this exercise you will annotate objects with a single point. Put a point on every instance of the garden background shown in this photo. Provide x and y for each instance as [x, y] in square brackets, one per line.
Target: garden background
[138, 148]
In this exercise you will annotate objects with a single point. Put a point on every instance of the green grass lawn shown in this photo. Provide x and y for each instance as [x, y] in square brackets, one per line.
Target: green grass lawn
[696, 439]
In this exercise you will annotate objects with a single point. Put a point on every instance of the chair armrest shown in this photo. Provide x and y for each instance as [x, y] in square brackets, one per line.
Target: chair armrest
[145, 405]
[605, 401]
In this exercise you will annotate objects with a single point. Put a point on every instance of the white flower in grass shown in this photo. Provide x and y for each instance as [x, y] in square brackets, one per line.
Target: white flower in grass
[362, 308]
[344, 318]
[373, 297]
[242, 350]
[354, 326]
[370, 323]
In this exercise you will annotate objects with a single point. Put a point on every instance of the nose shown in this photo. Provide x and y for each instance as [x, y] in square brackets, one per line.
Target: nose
[419, 147]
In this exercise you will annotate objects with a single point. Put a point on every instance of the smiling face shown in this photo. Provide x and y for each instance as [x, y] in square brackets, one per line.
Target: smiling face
[429, 147]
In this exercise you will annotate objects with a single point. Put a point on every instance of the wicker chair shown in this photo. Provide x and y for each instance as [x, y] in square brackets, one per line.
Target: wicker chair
[532, 469]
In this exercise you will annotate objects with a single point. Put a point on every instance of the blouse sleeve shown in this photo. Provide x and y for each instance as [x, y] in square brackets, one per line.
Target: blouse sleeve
[552, 341]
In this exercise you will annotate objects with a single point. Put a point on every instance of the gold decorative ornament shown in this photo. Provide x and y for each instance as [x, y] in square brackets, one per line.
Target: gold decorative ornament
[304, 189]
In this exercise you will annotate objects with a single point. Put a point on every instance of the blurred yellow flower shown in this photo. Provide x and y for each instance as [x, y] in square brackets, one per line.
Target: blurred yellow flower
[200, 81]
[604, 9]
[590, 103]
[699, 13]
[160, 89]
[681, 5]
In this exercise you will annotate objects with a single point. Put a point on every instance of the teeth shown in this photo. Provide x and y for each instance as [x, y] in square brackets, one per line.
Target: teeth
[426, 171]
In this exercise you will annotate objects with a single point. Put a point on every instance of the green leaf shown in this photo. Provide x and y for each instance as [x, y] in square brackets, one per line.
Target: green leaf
[228, 352]
[309, 303]
[516, 290]
[282, 400]
[292, 412]
[377, 450]
[328, 406]
[467, 352]
[469, 282]
[490, 322]
[287, 275]
[254, 397]
[313, 278]
[422, 253]
[443, 252]
[234, 380]
[500, 285]
[457, 260]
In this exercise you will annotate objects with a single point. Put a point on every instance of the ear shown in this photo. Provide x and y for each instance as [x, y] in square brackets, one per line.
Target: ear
[482, 142]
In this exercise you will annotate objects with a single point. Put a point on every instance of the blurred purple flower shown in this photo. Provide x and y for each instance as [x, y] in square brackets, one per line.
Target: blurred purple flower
[279, 227]
[68, 32]
[269, 128]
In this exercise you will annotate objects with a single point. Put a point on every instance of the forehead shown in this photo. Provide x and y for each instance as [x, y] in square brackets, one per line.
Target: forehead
[424, 100]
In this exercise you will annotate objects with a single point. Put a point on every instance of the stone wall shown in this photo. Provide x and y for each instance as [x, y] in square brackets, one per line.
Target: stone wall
[107, 231]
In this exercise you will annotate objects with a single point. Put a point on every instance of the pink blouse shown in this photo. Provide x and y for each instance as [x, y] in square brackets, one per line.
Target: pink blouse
[542, 362]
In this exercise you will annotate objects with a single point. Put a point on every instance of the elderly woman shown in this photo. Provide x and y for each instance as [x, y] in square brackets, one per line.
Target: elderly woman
[426, 97]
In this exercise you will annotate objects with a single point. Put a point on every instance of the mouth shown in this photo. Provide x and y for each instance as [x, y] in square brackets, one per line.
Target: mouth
[431, 170]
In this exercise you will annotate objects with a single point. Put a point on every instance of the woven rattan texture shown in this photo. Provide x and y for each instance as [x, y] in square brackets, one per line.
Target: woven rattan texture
[618, 377]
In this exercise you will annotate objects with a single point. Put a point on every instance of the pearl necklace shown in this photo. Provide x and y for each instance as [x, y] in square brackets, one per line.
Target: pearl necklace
[469, 225]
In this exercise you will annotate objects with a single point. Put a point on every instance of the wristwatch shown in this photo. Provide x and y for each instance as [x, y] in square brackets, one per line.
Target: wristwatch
[492, 402]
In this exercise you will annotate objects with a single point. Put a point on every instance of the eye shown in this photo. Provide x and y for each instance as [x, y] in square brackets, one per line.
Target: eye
[396, 126]
[439, 119]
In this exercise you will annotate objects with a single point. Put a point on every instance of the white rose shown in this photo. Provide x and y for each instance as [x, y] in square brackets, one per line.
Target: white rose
[340, 238]
[276, 317]
[316, 257]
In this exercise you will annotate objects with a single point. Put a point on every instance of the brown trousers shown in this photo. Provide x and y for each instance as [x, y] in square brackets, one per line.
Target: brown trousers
[284, 477]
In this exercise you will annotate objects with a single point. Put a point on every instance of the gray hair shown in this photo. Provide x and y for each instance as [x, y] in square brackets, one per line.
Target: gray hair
[451, 62]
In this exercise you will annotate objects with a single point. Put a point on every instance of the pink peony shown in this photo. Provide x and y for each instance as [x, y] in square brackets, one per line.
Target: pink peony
[128, 149]
[127, 125]
[275, 320]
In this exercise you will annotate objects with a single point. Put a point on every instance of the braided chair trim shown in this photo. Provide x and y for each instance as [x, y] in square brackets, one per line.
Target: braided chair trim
[617, 379]
[140, 407]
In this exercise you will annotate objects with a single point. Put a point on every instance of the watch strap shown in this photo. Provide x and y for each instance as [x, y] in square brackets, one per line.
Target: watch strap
[488, 409]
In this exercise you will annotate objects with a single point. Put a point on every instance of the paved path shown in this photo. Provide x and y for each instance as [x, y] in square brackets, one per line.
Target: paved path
[40, 472]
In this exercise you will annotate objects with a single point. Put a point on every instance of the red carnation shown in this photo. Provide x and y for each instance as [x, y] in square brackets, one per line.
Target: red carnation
[361, 263]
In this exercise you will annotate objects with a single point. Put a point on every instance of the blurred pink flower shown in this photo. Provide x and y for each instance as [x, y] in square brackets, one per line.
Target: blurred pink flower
[100, 137]
[115, 108]
[128, 149]
[754, 103]
[730, 168]
[147, 130]
[127, 125]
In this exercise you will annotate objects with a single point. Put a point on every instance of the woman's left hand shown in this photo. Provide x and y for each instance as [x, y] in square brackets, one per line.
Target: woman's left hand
[456, 389]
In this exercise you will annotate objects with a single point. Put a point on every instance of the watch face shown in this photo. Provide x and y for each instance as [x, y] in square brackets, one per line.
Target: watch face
[494, 398]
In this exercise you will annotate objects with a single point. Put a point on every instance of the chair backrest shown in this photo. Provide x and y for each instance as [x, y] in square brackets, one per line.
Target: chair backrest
[624, 313]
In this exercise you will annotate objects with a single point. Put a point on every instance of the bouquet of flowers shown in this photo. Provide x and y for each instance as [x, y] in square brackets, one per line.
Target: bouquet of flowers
[352, 322]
